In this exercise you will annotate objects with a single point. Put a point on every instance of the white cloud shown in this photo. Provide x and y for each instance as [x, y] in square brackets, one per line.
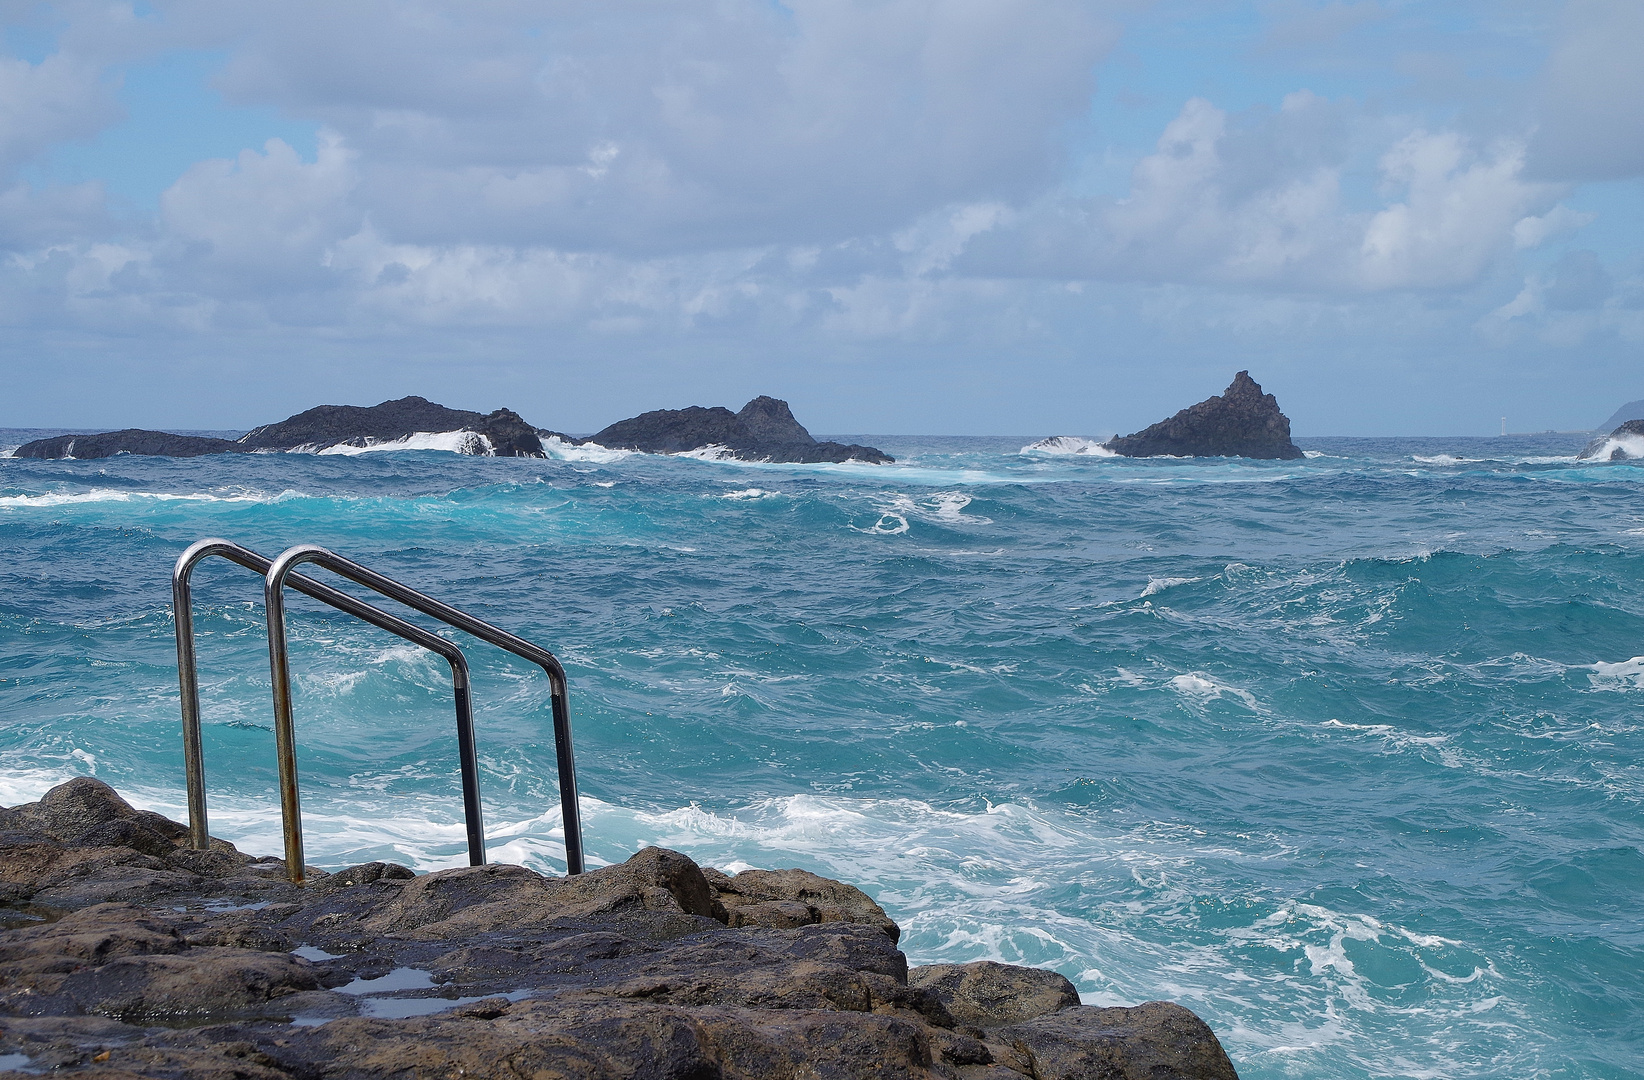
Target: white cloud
[1258, 201]
[1591, 111]
[60, 98]
[262, 221]
[658, 127]
[1462, 208]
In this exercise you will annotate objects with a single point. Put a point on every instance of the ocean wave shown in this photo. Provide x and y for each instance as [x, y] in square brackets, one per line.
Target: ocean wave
[560, 450]
[471, 443]
[1068, 445]
[114, 495]
[1625, 675]
[1617, 448]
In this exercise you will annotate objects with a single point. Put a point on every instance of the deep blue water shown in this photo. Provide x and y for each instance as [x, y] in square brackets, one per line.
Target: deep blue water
[1345, 754]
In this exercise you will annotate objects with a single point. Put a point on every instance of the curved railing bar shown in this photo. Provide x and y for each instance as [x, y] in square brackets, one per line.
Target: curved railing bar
[280, 574]
[188, 682]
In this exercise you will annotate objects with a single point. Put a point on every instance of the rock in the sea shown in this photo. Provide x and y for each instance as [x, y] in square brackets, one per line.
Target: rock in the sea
[1625, 443]
[129, 441]
[764, 430]
[499, 434]
[1241, 422]
[502, 433]
[129, 955]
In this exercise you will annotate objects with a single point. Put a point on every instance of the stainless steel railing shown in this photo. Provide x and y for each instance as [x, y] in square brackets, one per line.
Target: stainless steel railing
[278, 574]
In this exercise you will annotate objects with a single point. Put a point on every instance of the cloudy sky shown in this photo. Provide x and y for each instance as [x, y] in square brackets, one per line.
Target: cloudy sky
[904, 216]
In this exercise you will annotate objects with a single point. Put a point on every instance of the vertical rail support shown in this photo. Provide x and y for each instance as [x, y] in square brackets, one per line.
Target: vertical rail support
[280, 574]
[199, 833]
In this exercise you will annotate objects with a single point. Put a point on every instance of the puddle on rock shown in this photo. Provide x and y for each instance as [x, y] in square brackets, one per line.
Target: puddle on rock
[22, 916]
[400, 1008]
[314, 954]
[401, 978]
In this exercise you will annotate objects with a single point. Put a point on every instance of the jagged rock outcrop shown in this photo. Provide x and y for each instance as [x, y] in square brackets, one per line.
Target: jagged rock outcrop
[763, 430]
[1240, 422]
[129, 441]
[500, 434]
[1625, 443]
[504, 432]
[127, 954]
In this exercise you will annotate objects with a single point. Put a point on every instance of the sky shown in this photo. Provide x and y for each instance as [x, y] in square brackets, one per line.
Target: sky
[902, 216]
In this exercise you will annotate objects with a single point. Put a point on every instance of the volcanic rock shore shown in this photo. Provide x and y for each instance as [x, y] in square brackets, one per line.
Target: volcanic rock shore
[130, 954]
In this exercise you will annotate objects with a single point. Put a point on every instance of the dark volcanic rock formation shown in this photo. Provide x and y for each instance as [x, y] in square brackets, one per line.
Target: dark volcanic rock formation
[764, 430]
[129, 441]
[1624, 443]
[129, 955]
[354, 425]
[1242, 422]
[502, 433]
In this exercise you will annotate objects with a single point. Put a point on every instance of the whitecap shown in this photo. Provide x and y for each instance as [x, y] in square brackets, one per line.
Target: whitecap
[111, 495]
[1629, 447]
[1626, 675]
[1067, 445]
[467, 442]
[1203, 688]
[1444, 459]
[1157, 585]
[750, 493]
[560, 450]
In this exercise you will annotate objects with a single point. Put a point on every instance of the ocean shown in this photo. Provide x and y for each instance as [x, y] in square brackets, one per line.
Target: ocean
[1345, 754]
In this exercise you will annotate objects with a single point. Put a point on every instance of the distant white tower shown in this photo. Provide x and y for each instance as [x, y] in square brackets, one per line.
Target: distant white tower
[1504, 425]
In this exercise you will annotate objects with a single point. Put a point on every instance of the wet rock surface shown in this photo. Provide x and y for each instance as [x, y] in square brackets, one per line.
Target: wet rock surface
[502, 433]
[353, 425]
[129, 955]
[1240, 422]
[130, 441]
[1625, 443]
[763, 430]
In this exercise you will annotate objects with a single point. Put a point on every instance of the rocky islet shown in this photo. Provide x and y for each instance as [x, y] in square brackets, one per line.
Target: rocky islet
[1241, 421]
[130, 954]
[764, 430]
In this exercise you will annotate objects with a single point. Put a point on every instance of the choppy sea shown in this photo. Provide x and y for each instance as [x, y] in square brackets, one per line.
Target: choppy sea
[1346, 754]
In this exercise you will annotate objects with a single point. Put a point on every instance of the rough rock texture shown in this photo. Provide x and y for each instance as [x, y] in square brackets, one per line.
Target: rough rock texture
[1624, 443]
[1241, 422]
[129, 441]
[764, 430]
[354, 425]
[131, 956]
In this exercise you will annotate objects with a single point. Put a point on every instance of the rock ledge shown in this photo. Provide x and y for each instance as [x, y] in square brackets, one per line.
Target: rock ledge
[130, 955]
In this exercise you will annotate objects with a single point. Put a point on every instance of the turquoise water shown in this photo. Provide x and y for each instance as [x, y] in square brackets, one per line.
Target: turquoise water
[1346, 754]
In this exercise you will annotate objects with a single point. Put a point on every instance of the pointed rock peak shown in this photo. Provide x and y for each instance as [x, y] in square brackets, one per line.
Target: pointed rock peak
[769, 419]
[1241, 422]
[1243, 386]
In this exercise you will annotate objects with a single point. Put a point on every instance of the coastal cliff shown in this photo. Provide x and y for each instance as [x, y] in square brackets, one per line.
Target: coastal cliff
[129, 954]
[1240, 422]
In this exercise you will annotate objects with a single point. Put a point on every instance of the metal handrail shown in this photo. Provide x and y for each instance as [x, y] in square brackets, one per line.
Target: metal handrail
[188, 683]
[280, 574]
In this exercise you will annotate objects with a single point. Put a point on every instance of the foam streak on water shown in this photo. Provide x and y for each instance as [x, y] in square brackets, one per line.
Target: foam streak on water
[1347, 753]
